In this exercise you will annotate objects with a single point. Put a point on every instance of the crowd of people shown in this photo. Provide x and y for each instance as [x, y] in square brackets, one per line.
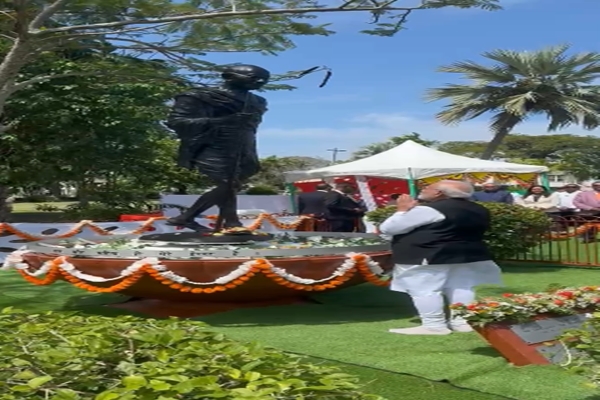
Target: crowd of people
[569, 206]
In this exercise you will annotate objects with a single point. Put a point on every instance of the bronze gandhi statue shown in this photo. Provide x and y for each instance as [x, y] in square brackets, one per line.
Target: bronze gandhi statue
[217, 128]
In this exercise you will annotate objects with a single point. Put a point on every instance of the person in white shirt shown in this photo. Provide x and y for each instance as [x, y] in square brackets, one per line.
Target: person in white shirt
[565, 199]
[439, 253]
[538, 197]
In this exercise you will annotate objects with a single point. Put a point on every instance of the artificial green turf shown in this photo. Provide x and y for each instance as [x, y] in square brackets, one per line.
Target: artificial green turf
[15, 292]
[350, 326]
[394, 386]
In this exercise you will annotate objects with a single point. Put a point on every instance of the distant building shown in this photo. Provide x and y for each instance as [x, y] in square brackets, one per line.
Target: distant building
[559, 179]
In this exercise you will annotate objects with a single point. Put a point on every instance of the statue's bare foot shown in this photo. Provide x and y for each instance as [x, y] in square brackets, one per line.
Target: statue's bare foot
[233, 224]
[193, 225]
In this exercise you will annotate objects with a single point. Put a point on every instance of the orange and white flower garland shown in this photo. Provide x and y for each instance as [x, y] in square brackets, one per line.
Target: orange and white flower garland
[62, 268]
[145, 227]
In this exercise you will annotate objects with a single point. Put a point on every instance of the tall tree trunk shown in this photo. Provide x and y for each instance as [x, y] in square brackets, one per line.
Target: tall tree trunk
[12, 63]
[5, 207]
[493, 146]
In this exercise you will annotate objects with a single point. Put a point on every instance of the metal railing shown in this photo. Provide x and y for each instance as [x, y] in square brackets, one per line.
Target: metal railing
[572, 240]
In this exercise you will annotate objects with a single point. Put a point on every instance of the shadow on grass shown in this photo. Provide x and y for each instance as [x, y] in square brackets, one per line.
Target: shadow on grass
[486, 351]
[306, 315]
[363, 303]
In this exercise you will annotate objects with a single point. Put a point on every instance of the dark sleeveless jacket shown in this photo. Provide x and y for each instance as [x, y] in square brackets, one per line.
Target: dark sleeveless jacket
[455, 240]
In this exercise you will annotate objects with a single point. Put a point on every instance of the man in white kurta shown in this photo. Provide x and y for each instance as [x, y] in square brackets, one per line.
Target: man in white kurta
[439, 254]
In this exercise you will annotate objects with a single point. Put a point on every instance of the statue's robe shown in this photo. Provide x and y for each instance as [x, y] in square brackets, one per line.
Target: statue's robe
[215, 148]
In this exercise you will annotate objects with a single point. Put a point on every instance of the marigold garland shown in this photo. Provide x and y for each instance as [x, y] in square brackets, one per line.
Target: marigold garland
[580, 230]
[60, 268]
[146, 226]
[272, 220]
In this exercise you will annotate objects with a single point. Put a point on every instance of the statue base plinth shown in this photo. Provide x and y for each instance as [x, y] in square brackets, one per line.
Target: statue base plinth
[209, 238]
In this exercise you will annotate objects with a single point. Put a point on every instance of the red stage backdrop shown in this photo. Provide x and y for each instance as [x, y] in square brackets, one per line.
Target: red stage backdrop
[381, 188]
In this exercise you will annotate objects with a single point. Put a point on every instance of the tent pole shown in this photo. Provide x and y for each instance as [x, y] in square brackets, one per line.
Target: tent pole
[412, 184]
[292, 191]
[544, 180]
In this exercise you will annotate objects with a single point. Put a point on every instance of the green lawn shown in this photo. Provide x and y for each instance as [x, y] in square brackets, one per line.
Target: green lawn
[32, 207]
[349, 329]
[28, 212]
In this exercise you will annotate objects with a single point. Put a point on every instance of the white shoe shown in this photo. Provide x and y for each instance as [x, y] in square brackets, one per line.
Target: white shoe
[421, 330]
[462, 328]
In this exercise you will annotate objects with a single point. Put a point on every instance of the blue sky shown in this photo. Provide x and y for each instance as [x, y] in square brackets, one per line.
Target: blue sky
[378, 83]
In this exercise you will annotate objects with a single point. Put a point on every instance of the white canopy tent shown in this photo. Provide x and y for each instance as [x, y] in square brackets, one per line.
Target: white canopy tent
[412, 161]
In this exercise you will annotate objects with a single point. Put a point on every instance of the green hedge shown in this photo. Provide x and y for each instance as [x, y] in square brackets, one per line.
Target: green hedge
[515, 229]
[258, 190]
[58, 356]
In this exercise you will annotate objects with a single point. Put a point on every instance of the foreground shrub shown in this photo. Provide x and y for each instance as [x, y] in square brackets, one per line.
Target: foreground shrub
[72, 357]
[514, 230]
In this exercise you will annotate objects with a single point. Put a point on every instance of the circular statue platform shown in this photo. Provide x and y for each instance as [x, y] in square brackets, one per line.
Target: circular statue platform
[177, 275]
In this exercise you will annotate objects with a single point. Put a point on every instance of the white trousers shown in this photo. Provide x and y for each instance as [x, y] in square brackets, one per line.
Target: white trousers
[431, 287]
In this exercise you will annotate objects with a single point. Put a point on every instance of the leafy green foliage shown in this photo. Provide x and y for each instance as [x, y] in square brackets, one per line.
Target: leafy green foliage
[262, 190]
[514, 229]
[521, 84]
[583, 163]
[544, 148]
[273, 167]
[584, 348]
[567, 153]
[102, 134]
[376, 148]
[72, 357]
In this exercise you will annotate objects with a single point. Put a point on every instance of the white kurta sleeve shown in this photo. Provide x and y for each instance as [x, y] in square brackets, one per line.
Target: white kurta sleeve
[404, 222]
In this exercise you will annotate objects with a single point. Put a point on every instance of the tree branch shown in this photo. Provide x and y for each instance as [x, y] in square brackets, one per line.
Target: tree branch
[160, 49]
[20, 28]
[151, 30]
[224, 14]
[42, 78]
[46, 13]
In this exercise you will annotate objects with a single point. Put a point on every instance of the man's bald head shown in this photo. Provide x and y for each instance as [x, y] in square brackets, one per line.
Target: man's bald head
[447, 189]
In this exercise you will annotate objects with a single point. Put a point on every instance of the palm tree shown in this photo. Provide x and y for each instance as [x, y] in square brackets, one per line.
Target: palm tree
[380, 147]
[522, 84]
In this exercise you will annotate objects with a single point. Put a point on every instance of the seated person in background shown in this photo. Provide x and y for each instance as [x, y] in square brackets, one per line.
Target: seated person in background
[313, 203]
[538, 197]
[589, 204]
[566, 198]
[589, 201]
[492, 193]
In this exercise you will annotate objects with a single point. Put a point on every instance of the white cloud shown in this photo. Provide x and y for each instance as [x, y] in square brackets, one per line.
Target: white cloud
[369, 128]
